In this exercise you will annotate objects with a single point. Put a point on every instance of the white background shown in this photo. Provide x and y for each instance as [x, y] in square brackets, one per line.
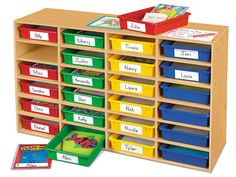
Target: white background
[107, 164]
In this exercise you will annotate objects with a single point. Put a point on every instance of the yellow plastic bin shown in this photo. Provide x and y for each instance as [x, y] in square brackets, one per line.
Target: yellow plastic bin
[133, 85]
[131, 125]
[133, 44]
[133, 65]
[132, 145]
[135, 106]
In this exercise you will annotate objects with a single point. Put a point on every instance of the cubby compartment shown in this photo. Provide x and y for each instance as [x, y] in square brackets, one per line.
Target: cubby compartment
[84, 38]
[132, 145]
[185, 114]
[38, 125]
[133, 65]
[83, 58]
[86, 97]
[185, 155]
[84, 116]
[40, 107]
[185, 135]
[132, 125]
[132, 85]
[133, 44]
[83, 77]
[186, 93]
[186, 72]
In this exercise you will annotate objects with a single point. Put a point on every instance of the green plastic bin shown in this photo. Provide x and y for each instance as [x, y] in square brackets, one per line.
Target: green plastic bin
[83, 58]
[70, 151]
[84, 116]
[84, 38]
[82, 96]
[83, 78]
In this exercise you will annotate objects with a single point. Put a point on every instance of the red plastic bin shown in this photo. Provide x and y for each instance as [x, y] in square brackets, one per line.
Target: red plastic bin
[38, 125]
[39, 88]
[41, 33]
[40, 107]
[38, 70]
[133, 21]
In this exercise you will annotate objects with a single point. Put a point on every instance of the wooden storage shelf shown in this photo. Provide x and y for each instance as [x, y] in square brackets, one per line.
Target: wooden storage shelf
[50, 53]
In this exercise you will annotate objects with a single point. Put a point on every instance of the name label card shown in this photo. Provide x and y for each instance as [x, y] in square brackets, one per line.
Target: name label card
[186, 53]
[39, 36]
[131, 129]
[136, 26]
[83, 99]
[130, 68]
[84, 41]
[126, 46]
[39, 91]
[131, 88]
[39, 109]
[82, 61]
[67, 158]
[83, 119]
[131, 109]
[40, 128]
[82, 81]
[131, 148]
[39, 72]
[187, 75]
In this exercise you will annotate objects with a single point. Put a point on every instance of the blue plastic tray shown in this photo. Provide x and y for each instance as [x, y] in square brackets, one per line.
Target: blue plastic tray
[185, 93]
[187, 117]
[182, 72]
[186, 52]
[168, 133]
[185, 155]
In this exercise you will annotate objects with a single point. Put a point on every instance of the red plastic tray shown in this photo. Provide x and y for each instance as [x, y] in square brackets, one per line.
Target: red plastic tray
[39, 108]
[37, 88]
[40, 33]
[28, 69]
[132, 21]
[39, 125]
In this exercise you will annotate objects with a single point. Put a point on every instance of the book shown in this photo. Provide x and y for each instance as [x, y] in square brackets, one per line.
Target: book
[110, 22]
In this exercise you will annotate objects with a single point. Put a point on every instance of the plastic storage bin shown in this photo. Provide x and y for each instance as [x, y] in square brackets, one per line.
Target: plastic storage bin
[84, 38]
[132, 145]
[76, 145]
[133, 21]
[83, 96]
[186, 93]
[133, 65]
[84, 116]
[83, 58]
[131, 125]
[130, 105]
[41, 33]
[39, 125]
[40, 107]
[185, 155]
[186, 50]
[185, 135]
[185, 114]
[186, 72]
[84, 78]
[39, 70]
[132, 85]
[133, 44]
[39, 88]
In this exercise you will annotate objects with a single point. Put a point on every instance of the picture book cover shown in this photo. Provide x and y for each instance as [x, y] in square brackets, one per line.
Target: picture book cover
[110, 22]
[31, 156]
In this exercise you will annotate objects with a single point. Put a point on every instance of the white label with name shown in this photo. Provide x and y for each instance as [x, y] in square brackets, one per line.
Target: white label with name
[40, 128]
[182, 53]
[83, 99]
[39, 109]
[131, 109]
[82, 61]
[39, 72]
[84, 41]
[39, 36]
[126, 46]
[83, 119]
[67, 158]
[187, 75]
[31, 165]
[82, 81]
[131, 148]
[131, 88]
[131, 129]
[136, 26]
[39, 91]
[130, 68]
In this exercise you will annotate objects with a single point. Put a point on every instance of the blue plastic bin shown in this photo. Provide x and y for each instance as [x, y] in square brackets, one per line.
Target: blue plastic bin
[184, 135]
[186, 93]
[186, 72]
[186, 50]
[185, 155]
[196, 116]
